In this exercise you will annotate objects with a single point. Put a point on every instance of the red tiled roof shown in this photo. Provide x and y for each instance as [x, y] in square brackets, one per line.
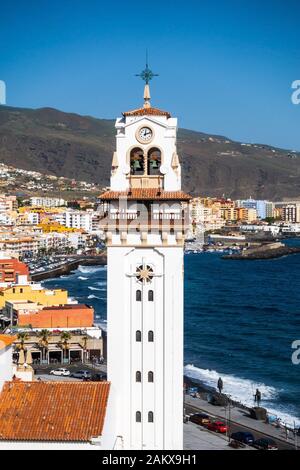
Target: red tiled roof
[53, 411]
[146, 194]
[6, 340]
[147, 112]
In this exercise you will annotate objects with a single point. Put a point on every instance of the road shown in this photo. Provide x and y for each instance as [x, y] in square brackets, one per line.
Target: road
[241, 423]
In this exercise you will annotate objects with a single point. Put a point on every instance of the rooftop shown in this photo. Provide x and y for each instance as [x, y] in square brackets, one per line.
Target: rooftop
[68, 307]
[53, 411]
[147, 112]
[6, 340]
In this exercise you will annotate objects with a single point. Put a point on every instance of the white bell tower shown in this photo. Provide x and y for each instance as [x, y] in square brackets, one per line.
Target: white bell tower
[144, 216]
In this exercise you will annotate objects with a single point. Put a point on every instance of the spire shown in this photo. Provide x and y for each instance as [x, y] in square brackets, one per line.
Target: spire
[147, 75]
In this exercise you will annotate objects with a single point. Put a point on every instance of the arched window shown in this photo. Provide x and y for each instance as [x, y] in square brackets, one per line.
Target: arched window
[150, 376]
[154, 161]
[150, 295]
[137, 161]
[150, 417]
[138, 336]
[138, 296]
[138, 417]
[138, 376]
[150, 336]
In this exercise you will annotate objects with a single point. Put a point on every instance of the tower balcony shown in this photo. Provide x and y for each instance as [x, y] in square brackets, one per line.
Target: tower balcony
[162, 224]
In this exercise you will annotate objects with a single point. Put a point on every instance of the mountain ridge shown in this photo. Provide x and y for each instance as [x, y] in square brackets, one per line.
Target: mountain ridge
[81, 147]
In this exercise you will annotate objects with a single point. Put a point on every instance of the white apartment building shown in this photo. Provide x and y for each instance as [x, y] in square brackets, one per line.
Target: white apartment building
[47, 201]
[89, 220]
[8, 203]
[291, 213]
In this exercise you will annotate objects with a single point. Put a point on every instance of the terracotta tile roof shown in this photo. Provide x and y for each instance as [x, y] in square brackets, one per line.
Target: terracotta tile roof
[6, 340]
[52, 411]
[146, 194]
[147, 112]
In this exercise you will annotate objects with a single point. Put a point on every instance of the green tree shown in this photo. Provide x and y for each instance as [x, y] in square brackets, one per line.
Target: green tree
[84, 341]
[22, 337]
[64, 342]
[44, 336]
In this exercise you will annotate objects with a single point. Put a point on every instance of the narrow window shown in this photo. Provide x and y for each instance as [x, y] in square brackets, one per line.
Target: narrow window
[150, 295]
[150, 376]
[138, 296]
[150, 417]
[138, 417]
[138, 376]
[150, 336]
[138, 336]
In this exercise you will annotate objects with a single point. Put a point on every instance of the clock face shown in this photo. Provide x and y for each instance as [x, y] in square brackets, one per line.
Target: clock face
[145, 134]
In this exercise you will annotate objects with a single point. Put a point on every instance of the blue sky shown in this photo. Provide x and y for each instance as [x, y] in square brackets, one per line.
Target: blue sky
[226, 67]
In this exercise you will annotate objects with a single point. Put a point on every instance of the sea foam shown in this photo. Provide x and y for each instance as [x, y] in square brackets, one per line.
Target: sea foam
[243, 390]
[90, 269]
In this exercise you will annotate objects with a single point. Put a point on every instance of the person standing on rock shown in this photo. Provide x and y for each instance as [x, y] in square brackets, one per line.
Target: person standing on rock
[220, 385]
[257, 397]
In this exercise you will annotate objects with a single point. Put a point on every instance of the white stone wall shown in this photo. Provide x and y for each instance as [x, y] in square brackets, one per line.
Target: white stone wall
[5, 365]
[163, 357]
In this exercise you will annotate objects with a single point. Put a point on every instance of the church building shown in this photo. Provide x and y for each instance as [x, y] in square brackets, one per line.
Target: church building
[145, 222]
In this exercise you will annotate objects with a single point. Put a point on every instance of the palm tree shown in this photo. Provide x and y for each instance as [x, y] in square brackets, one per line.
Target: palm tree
[64, 343]
[44, 336]
[84, 340]
[22, 337]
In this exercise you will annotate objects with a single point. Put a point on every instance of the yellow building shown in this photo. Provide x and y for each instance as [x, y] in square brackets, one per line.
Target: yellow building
[34, 293]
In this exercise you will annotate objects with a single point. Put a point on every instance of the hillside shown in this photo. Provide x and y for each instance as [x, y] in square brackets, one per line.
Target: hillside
[81, 147]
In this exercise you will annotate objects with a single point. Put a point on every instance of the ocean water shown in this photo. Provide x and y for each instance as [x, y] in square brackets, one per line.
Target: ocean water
[241, 318]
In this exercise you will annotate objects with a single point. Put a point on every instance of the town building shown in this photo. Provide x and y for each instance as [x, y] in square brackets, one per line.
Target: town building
[33, 292]
[12, 270]
[263, 208]
[62, 316]
[8, 203]
[37, 201]
[83, 346]
[291, 213]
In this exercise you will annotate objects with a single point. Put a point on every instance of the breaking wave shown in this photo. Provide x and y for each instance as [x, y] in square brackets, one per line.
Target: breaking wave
[242, 390]
[90, 269]
[92, 296]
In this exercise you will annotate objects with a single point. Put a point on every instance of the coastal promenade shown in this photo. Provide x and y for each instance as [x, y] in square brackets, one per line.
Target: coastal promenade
[67, 267]
[241, 421]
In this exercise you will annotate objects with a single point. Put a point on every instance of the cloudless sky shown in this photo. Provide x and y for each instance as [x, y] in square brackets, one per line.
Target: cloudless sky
[226, 67]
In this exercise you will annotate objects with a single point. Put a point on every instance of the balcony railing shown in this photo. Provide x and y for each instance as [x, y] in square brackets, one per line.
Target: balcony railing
[137, 222]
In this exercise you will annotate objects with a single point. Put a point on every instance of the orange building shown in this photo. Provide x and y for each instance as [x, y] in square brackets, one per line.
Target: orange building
[10, 269]
[64, 316]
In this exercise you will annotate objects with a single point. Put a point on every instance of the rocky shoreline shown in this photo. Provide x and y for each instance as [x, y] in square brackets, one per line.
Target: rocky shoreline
[277, 250]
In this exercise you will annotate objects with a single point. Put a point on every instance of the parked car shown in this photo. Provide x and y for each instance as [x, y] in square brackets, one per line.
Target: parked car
[82, 374]
[200, 418]
[245, 437]
[217, 426]
[61, 371]
[265, 443]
